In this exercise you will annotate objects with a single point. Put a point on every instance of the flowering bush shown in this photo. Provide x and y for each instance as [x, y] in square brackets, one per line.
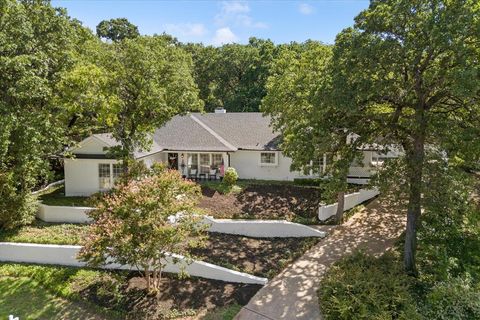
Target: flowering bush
[132, 224]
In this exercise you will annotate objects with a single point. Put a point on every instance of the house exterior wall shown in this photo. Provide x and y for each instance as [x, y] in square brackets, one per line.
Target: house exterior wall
[156, 157]
[247, 164]
[81, 176]
[91, 146]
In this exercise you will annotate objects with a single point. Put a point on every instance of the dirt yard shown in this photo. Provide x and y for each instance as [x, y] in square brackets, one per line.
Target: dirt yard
[261, 257]
[192, 297]
[263, 202]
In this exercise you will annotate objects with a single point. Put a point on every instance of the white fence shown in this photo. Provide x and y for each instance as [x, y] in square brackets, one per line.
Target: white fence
[66, 256]
[262, 228]
[63, 214]
[351, 200]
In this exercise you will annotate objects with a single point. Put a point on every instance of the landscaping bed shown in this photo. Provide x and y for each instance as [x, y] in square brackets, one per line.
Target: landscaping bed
[263, 201]
[263, 257]
[114, 294]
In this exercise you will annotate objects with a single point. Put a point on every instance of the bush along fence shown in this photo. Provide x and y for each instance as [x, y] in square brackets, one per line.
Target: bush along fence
[351, 200]
[66, 255]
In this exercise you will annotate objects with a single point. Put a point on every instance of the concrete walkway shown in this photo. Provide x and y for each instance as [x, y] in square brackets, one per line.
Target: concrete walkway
[293, 293]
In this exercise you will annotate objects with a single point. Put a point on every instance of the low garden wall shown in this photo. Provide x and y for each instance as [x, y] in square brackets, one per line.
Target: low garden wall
[63, 214]
[262, 228]
[249, 228]
[351, 200]
[65, 255]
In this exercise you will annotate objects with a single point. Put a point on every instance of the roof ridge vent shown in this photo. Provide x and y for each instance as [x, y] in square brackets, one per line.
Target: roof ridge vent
[220, 110]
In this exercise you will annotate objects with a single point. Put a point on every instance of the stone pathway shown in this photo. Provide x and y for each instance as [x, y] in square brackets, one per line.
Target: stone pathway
[292, 294]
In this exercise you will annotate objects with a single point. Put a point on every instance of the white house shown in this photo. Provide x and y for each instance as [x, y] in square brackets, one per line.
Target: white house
[200, 146]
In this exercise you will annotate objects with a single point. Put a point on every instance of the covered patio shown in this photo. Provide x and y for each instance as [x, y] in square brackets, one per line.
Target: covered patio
[199, 165]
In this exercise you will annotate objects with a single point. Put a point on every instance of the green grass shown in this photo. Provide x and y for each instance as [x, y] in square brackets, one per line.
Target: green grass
[56, 197]
[48, 233]
[27, 299]
[226, 313]
[57, 282]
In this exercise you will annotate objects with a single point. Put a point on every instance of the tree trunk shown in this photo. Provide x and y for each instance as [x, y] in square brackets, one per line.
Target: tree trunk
[415, 160]
[340, 207]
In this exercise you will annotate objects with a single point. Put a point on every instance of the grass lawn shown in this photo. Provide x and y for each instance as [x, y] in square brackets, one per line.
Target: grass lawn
[27, 299]
[56, 197]
[49, 233]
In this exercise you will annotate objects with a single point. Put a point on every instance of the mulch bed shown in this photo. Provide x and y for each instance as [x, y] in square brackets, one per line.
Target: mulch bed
[263, 202]
[263, 257]
[184, 297]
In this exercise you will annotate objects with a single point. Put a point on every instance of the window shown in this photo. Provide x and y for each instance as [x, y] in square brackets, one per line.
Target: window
[117, 170]
[217, 160]
[204, 163]
[192, 163]
[268, 158]
[378, 159]
[104, 176]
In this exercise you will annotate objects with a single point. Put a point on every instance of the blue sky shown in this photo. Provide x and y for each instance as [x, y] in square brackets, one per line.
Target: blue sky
[218, 22]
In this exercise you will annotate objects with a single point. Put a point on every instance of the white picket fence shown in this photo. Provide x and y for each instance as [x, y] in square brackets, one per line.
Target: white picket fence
[66, 255]
[351, 200]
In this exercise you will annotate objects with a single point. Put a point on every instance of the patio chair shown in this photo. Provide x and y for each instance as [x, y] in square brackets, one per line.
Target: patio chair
[193, 174]
[212, 174]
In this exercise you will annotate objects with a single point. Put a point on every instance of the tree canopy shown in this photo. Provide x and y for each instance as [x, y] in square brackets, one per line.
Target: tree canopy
[117, 29]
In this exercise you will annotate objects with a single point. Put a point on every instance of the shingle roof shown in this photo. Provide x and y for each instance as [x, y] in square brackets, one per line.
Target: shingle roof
[210, 132]
[244, 130]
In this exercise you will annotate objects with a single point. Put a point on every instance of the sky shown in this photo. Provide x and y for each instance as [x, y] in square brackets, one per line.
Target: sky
[220, 22]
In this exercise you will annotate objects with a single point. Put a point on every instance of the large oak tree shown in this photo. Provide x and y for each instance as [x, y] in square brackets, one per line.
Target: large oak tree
[408, 73]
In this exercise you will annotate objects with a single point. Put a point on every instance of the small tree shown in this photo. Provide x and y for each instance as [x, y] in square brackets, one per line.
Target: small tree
[133, 225]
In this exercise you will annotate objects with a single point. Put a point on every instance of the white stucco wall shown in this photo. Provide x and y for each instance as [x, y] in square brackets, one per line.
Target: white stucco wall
[66, 255]
[91, 145]
[247, 164]
[156, 157]
[63, 214]
[81, 176]
[262, 228]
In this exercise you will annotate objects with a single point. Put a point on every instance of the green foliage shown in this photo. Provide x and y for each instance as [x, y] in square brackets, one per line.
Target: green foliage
[41, 303]
[16, 209]
[233, 76]
[117, 29]
[364, 287]
[225, 313]
[151, 81]
[231, 176]
[56, 197]
[48, 233]
[454, 299]
[38, 44]
[405, 72]
[133, 224]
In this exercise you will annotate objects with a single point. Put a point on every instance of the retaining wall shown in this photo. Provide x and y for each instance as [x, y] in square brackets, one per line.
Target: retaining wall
[262, 228]
[66, 256]
[63, 214]
[249, 228]
[351, 200]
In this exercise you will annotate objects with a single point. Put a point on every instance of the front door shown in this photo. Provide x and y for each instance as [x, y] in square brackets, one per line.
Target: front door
[173, 161]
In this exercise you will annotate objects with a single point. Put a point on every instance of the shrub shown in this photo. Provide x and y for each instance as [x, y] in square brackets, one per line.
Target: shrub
[452, 299]
[365, 287]
[231, 176]
[16, 208]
